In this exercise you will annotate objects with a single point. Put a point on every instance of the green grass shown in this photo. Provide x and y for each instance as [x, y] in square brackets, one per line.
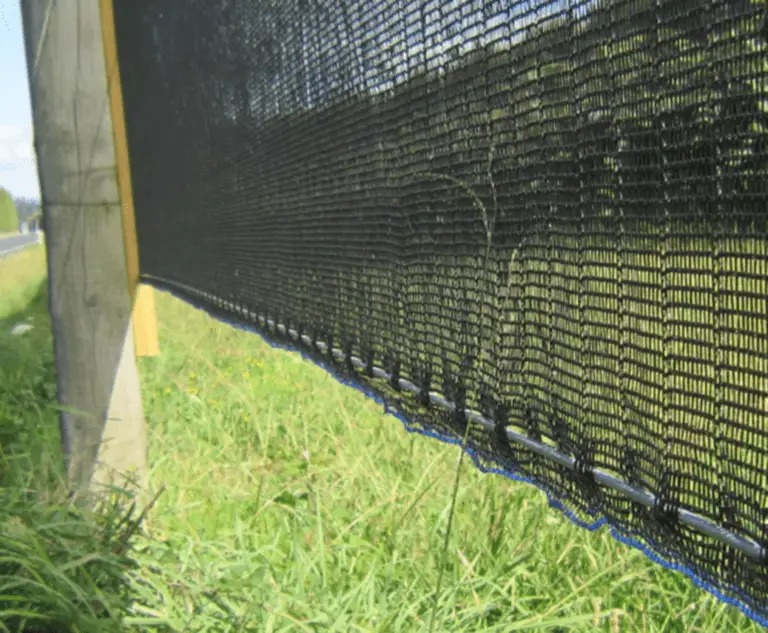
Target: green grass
[23, 274]
[60, 567]
[292, 503]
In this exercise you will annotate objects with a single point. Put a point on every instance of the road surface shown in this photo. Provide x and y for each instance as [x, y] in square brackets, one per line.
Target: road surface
[16, 243]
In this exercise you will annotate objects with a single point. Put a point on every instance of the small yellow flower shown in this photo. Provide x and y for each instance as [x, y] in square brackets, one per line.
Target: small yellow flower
[192, 375]
[167, 390]
[246, 374]
[246, 417]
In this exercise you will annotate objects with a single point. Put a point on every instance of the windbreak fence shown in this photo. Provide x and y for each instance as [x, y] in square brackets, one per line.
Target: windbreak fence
[539, 224]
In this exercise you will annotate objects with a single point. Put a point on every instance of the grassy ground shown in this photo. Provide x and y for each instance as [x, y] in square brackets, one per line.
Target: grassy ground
[60, 569]
[292, 503]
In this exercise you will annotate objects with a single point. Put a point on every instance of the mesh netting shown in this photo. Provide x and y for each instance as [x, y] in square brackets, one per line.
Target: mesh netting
[542, 224]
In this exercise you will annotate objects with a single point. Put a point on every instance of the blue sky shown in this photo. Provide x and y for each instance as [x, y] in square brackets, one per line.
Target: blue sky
[18, 168]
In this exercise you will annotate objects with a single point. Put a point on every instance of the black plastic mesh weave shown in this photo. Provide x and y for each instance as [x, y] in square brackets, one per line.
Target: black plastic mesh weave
[553, 213]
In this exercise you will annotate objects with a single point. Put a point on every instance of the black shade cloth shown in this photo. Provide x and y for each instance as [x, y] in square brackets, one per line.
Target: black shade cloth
[551, 213]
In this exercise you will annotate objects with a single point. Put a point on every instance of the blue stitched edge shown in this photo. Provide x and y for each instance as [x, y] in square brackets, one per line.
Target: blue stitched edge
[741, 601]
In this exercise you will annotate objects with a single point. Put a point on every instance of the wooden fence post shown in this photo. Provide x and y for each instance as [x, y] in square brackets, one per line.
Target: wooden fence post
[102, 421]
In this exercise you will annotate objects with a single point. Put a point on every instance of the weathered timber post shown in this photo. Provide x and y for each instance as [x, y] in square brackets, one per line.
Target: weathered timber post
[102, 421]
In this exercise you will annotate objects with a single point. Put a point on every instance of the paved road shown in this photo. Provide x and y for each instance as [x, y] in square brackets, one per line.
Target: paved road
[16, 243]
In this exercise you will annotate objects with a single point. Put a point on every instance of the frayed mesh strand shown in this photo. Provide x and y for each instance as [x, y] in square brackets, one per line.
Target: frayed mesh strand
[542, 224]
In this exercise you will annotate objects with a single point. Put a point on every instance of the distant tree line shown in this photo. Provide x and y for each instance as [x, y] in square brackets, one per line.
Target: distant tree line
[28, 209]
[15, 211]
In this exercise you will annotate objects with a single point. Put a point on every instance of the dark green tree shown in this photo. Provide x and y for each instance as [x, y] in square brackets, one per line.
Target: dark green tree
[9, 218]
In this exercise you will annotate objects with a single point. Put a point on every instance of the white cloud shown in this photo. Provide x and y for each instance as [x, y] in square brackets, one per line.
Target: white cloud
[15, 144]
[25, 151]
[9, 131]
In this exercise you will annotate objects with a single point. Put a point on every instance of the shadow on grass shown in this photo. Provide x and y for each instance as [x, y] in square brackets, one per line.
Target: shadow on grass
[61, 569]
